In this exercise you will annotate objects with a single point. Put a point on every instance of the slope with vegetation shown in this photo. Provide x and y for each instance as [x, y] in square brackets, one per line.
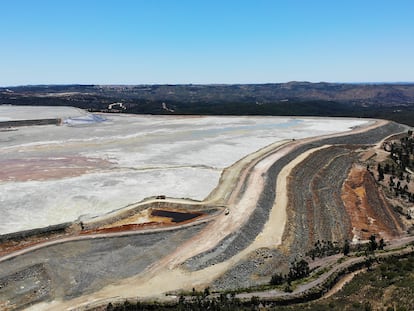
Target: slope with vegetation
[387, 101]
[385, 285]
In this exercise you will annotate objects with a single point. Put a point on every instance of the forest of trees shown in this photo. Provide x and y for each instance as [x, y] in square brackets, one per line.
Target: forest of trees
[399, 166]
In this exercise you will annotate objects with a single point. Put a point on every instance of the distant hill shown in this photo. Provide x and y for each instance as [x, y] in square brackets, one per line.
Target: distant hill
[383, 100]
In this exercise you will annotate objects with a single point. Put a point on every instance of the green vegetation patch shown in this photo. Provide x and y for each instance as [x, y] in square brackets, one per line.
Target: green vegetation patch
[387, 286]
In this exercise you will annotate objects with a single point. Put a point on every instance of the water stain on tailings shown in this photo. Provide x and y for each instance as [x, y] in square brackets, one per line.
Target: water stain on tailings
[174, 215]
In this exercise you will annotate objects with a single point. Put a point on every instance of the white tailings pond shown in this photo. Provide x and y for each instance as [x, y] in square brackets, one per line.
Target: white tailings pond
[86, 167]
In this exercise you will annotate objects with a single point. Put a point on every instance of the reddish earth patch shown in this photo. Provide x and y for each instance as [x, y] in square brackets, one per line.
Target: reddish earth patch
[157, 218]
[127, 227]
[49, 168]
[367, 207]
[13, 245]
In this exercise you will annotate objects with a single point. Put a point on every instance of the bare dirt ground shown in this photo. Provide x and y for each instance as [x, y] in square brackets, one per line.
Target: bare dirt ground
[369, 211]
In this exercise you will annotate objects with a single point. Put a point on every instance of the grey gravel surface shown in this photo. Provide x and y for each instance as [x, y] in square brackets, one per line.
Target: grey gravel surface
[80, 267]
[24, 287]
[314, 192]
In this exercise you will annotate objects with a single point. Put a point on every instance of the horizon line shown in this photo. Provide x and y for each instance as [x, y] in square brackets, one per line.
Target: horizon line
[202, 84]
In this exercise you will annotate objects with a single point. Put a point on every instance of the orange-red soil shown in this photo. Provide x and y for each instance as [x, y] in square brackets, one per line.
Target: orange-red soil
[367, 207]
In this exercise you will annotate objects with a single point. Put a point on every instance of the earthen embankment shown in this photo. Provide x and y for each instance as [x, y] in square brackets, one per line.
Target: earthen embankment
[20, 123]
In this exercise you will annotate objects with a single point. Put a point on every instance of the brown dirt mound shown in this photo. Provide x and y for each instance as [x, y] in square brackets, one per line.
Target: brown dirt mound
[368, 210]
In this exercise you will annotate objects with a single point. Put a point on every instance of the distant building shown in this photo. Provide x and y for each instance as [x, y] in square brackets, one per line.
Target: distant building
[116, 105]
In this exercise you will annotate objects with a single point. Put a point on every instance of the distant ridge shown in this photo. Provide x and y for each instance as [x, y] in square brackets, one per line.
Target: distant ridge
[363, 99]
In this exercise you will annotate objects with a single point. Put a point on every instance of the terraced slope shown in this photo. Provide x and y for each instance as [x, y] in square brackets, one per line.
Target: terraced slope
[315, 206]
[315, 210]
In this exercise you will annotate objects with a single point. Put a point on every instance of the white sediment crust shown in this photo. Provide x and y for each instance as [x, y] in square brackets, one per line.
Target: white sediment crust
[175, 156]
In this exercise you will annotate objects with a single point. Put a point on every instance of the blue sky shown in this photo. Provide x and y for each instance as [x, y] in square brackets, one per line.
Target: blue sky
[173, 41]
